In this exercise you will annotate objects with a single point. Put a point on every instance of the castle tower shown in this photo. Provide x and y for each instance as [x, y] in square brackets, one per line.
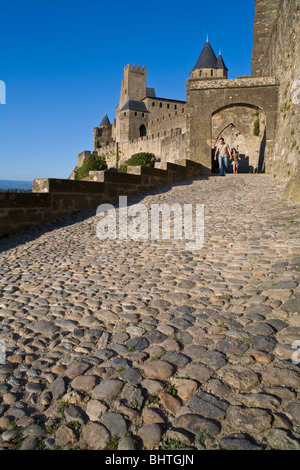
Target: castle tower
[134, 84]
[208, 66]
[132, 113]
[102, 134]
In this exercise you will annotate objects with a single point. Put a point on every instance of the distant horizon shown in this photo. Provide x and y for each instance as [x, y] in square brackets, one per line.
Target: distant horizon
[13, 180]
[9, 184]
[66, 72]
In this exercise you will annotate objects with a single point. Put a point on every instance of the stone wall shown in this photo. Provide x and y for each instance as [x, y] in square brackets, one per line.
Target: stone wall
[55, 198]
[175, 146]
[208, 98]
[276, 52]
[169, 145]
[266, 17]
[164, 115]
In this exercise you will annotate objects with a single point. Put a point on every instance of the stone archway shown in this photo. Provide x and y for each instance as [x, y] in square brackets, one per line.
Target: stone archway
[212, 105]
[235, 139]
[243, 127]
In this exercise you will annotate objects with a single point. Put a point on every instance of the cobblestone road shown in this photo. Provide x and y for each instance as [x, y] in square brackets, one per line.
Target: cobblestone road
[111, 344]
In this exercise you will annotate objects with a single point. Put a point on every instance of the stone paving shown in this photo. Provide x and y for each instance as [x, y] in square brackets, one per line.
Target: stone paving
[143, 345]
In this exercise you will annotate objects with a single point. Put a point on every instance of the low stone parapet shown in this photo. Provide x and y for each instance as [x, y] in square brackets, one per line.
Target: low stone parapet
[53, 198]
[19, 211]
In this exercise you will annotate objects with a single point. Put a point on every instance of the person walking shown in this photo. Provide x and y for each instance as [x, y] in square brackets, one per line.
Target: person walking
[222, 152]
[235, 160]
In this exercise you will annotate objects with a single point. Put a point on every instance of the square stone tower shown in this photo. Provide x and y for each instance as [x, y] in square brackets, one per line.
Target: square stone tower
[133, 90]
[134, 84]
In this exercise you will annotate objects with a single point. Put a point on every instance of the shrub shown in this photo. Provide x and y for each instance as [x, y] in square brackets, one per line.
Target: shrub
[92, 163]
[139, 159]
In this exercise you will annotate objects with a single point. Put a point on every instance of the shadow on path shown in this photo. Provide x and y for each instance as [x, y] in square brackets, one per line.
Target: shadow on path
[30, 234]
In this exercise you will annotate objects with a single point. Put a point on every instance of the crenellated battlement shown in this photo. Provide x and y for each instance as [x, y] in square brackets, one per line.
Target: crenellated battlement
[137, 68]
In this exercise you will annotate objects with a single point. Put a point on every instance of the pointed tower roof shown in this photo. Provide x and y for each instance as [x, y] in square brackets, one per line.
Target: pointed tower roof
[207, 58]
[105, 121]
[220, 63]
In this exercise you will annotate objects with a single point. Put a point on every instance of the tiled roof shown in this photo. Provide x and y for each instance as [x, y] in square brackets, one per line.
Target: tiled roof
[105, 121]
[220, 63]
[150, 92]
[134, 105]
[207, 58]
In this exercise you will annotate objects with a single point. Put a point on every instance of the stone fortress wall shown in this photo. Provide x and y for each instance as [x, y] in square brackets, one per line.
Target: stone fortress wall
[187, 134]
[214, 106]
[143, 123]
[276, 52]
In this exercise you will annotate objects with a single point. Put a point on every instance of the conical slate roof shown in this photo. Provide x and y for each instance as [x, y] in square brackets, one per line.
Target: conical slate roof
[207, 58]
[105, 121]
[220, 63]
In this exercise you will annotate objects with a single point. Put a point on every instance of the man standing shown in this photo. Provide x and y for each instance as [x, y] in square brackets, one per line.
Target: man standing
[222, 151]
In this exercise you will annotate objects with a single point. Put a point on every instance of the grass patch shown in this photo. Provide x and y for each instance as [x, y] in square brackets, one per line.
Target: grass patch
[133, 405]
[153, 399]
[173, 444]
[178, 340]
[113, 443]
[225, 297]
[61, 409]
[17, 440]
[171, 389]
[202, 436]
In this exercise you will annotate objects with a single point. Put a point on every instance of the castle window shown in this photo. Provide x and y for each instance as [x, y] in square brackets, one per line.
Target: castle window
[135, 113]
[153, 103]
[125, 114]
[143, 114]
[175, 107]
[143, 131]
[200, 74]
[160, 105]
[211, 73]
[168, 105]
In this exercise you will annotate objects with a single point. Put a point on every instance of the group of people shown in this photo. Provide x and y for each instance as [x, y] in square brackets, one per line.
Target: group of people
[223, 152]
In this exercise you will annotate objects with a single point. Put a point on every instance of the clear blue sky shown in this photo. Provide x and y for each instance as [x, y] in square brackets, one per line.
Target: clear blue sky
[62, 62]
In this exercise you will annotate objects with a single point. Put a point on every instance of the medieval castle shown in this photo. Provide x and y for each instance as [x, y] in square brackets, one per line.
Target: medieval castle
[174, 130]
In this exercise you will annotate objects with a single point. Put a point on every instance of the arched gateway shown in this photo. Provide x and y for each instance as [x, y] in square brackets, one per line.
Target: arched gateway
[247, 104]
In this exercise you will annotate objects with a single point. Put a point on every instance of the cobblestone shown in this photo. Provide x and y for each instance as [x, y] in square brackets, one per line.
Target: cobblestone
[143, 341]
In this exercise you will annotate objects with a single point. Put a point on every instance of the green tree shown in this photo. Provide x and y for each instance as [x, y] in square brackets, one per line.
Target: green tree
[92, 163]
[139, 159]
